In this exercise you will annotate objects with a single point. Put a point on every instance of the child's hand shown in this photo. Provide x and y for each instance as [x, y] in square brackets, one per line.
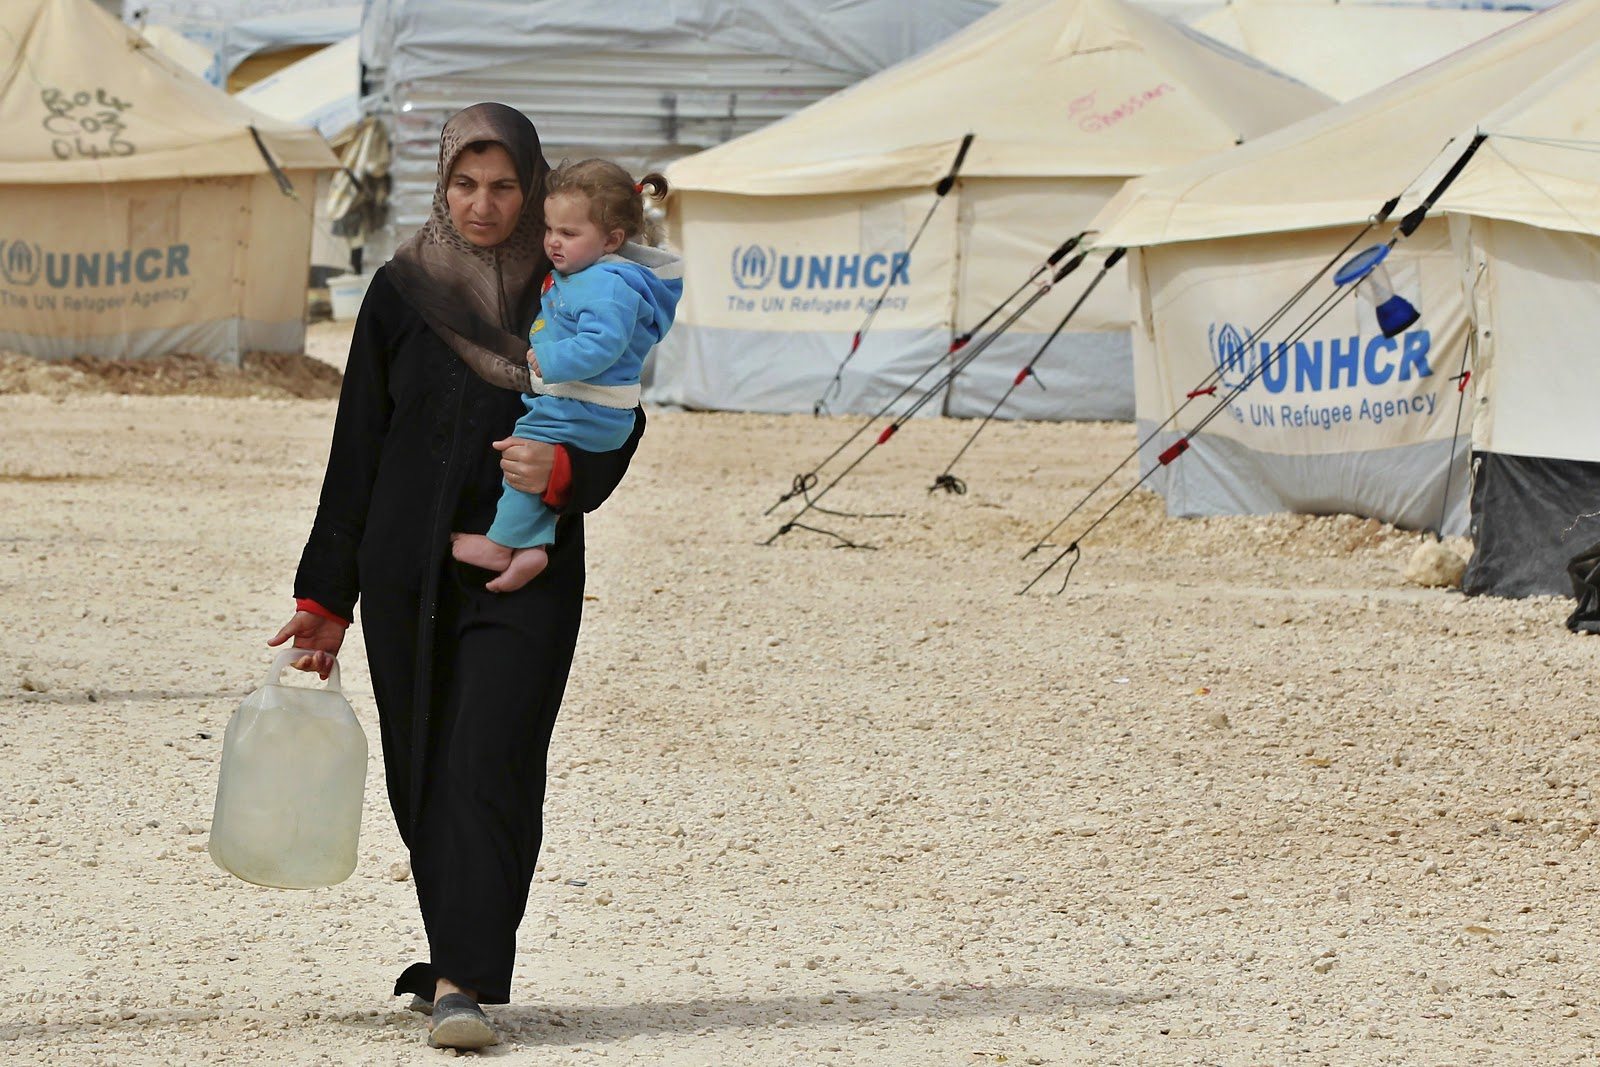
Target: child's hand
[533, 363]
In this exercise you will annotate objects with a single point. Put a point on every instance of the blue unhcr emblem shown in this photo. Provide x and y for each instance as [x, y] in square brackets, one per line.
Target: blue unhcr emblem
[1228, 354]
[753, 266]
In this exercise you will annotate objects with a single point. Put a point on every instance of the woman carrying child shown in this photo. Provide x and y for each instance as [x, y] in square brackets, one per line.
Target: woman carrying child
[467, 682]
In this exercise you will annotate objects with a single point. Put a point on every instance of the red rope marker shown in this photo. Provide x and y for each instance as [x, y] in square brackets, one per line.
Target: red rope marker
[1022, 376]
[1179, 447]
[959, 343]
[888, 432]
[1209, 390]
[1466, 376]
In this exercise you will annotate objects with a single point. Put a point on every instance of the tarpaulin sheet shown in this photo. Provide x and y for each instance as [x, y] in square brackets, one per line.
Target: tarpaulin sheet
[1530, 515]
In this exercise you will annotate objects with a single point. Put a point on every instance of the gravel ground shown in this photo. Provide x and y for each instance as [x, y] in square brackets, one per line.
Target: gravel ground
[1238, 795]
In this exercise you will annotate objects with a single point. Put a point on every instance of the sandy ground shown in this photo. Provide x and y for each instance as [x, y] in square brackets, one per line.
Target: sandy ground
[1239, 795]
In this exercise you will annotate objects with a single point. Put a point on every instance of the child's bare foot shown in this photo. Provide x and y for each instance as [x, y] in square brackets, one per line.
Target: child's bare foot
[526, 565]
[479, 551]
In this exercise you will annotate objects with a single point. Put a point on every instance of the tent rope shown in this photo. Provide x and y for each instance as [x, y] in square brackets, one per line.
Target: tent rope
[944, 381]
[1407, 226]
[1181, 445]
[807, 480]
[951, 484]
[1208, 385]
[1462, 379]
[844, 542]
[836, 384]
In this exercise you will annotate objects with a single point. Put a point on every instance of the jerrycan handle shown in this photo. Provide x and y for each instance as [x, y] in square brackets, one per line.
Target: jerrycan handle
[288, 656]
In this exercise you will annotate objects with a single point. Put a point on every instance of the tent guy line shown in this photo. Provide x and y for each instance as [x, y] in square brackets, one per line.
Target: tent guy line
[940, 191]
[1408, 225]
[803, 483]
[932, 391]
[1181, 445]
[1208, 385]
[1050, 261]
[949, 482]
[1462, 379]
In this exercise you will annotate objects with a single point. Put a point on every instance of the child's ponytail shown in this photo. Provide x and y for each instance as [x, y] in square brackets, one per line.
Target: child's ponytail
[653, 187]
[616, 201]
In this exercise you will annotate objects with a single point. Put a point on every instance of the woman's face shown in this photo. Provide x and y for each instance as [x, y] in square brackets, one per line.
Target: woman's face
[483, 196]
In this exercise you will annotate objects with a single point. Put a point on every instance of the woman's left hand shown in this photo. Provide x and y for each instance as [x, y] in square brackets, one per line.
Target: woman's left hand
[526, 464]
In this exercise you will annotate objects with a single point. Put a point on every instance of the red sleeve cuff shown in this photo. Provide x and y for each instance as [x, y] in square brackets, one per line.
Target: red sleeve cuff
[307, 604]
[559, 490]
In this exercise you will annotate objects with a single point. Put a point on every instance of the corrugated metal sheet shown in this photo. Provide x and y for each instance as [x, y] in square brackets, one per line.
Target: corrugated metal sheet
[597, 86]
[611, 106]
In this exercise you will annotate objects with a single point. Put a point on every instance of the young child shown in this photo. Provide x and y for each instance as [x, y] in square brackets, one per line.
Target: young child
[607, 302]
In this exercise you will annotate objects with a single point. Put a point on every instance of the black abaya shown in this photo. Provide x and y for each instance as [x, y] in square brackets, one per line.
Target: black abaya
[467, 682]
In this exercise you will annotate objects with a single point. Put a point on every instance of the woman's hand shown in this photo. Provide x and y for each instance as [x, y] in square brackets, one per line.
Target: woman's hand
[533, 364]
[526, 464]
[318, 635]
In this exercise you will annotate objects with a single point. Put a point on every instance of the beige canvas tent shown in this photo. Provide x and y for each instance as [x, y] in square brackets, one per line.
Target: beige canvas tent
[1349, 47]
[141, 213]
[790, 232]
[1525, 220]
[1346, 420]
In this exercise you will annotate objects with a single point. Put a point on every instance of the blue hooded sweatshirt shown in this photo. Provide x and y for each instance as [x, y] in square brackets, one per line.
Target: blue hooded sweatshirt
[593, 332]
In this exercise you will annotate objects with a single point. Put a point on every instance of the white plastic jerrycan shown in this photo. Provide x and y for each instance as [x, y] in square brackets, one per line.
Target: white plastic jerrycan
[294, 763]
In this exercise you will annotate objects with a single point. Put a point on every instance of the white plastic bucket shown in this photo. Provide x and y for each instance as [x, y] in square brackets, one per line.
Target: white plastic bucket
[345, 292]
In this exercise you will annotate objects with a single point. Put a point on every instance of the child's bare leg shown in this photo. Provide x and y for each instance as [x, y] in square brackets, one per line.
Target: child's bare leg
[526, 565]
[479, 551]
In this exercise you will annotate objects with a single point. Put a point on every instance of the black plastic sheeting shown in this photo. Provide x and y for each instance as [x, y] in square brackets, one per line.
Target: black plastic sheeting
[1530, 517]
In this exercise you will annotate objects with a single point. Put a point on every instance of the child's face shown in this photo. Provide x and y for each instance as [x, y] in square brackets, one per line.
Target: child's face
[573, 240]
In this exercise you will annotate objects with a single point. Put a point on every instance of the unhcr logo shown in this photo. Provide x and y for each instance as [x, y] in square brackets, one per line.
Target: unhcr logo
[1228, 353]
[757, 266]
[20, 262]
[1313, 366]
[24, 264]
[753, 266]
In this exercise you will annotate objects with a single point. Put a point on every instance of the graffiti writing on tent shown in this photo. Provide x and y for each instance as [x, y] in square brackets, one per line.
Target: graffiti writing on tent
[85, 124]
[1092, 121]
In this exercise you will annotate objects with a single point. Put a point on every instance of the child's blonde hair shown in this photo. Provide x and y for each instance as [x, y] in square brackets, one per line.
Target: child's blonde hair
[616, 202]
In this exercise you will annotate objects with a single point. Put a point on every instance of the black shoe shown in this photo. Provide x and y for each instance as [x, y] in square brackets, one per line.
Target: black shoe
[459, 1023]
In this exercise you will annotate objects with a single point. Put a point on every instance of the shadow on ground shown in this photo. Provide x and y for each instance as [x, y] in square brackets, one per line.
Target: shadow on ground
[574, 1024]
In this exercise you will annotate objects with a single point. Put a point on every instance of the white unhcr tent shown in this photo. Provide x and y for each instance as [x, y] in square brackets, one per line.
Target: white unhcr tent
[1347, 420]
[1525, 217]
[790, 233]
[141, 214]
[639, 82]
[1349, 47]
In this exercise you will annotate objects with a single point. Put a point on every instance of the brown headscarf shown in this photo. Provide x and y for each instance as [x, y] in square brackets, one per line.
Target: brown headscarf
[481, 301]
